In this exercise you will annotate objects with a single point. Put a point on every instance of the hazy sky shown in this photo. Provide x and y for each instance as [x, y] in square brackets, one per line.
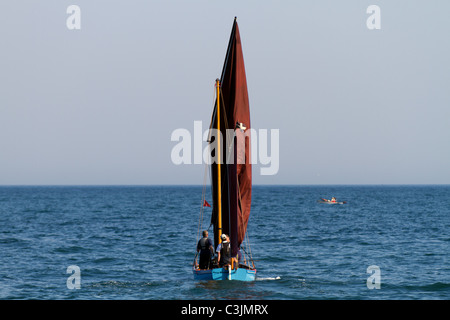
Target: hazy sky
[98, 105]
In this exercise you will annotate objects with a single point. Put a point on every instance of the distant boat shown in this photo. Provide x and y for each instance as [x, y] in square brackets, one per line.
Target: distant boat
[322, 200]
[231, 182]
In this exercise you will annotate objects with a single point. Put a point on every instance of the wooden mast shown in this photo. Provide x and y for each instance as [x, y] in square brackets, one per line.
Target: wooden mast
[219, 174]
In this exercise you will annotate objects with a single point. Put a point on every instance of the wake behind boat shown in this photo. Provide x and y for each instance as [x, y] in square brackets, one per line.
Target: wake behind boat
[231, 176]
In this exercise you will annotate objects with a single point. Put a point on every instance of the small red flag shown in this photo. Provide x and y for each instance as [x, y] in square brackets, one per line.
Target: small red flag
[206, 204]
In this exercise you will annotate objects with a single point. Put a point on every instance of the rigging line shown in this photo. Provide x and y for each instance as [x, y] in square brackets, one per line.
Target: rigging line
[202, 208]
[213, 114]
[200, 219]
[213, 119]
[225, 181]
[200, 222]
[204, 186]
[229, 136]
[249, 256]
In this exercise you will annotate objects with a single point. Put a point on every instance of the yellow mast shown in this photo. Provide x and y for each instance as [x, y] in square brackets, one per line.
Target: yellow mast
[219, 175]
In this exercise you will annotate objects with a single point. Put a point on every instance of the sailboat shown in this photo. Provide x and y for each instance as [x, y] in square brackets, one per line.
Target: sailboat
[231, 169]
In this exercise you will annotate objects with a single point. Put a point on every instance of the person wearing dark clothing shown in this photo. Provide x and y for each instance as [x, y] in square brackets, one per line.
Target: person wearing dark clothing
[225, 254]
[205, 248]
[224, 251]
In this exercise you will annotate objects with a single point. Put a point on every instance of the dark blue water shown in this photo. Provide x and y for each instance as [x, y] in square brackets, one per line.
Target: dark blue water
[139, 243]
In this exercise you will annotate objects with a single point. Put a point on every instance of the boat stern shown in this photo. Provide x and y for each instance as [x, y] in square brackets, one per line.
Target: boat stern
[240, 274]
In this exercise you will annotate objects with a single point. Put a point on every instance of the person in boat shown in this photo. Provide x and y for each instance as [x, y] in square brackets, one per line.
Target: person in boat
[224, 238]
[333, 199]
[224, 251]
[206, 249]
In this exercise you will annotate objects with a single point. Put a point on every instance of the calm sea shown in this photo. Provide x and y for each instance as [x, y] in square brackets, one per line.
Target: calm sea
[138, 242]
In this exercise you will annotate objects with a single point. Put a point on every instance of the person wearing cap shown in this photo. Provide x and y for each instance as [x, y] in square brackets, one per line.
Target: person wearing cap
[224, 237]
[224, 251]
[206, 249]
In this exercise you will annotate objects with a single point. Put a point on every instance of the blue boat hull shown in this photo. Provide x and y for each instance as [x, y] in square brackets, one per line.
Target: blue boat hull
[241, 274]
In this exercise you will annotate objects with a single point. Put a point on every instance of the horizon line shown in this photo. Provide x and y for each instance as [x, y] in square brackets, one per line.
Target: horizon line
[201, 185]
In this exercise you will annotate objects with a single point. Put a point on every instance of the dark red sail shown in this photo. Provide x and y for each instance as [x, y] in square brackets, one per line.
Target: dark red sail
[236, 170]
